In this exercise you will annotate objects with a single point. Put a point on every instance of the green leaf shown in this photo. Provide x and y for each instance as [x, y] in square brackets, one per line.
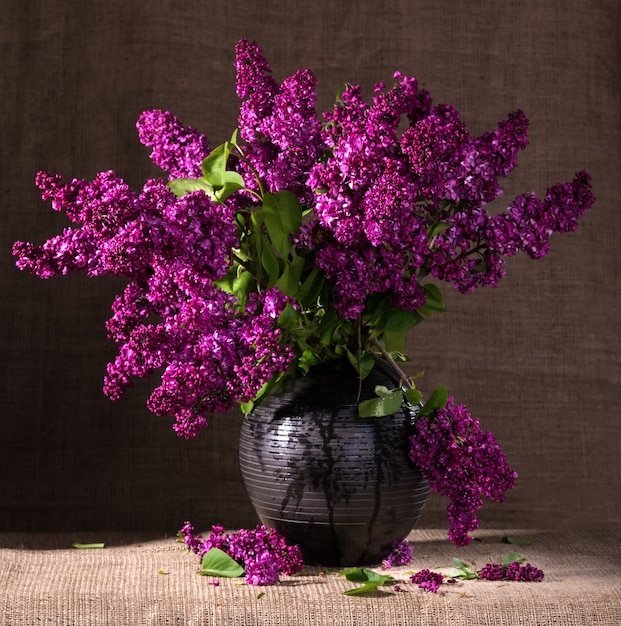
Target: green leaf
[413, 396]
[380, 579]
[289, 318]
[307, 360]
[89, 546]
[246, 407]
[437, 228]
[355, 574]
[437, 400]
[464, 571]
[394, 342]
[399, 321]
[269, 261]
[512, 557]
[433, 300]
[377, 307]
[367, 588]
[181, 186]
[257, 217]
[283, 217]
[384, 405]
[372, 580]
[289, 282]
[363, 360]
[226, 283]
[516, 542]
[362, 575]
[214, 165]
[382, 391]
[242, 285]
[453, 572]
[232, 182]
[329, 323]
[311, 287]
[219, 563]
[339, 92]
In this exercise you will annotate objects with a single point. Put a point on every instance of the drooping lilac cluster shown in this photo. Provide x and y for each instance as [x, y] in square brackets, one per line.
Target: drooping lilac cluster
[103, 208]
[171, 316]
[133, 235]
[511, 571]
[278, 122]
[401, 553]
[262, 552]
[177, 149]
[461, 462]
[393, 208]
[529, 221]
[427, 580]
[212, 355]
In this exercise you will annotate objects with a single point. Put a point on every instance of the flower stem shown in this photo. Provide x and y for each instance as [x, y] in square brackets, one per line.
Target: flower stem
[402, 375]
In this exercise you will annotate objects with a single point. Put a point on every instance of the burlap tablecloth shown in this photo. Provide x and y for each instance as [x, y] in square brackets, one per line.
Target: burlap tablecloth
[141, 580]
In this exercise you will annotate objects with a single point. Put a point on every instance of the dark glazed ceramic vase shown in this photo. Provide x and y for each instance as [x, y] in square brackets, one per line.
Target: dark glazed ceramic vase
[340, 486]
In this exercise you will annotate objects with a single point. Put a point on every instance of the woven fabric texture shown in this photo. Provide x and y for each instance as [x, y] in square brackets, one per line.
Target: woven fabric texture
[537, 360]
[134, 581]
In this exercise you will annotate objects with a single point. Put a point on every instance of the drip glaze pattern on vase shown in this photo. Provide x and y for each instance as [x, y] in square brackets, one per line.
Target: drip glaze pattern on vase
[340, 486]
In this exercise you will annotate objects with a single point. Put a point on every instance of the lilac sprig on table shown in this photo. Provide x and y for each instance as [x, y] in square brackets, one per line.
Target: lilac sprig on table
[511, 571]
[400, 553]
[261, 554]
[513, 567]
[427, 580]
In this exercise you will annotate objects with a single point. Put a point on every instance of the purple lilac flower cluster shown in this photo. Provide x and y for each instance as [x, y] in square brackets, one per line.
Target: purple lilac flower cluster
[512, 571]
[177, 149]
[377, 195]
[263, 552]
[391, 209]
[401, 553]
[384, 208]
[427, 580]
[278, 122]
[172, 249]
[461, 462]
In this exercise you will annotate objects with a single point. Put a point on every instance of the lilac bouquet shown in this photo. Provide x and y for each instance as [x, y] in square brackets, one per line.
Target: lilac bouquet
[304, 239]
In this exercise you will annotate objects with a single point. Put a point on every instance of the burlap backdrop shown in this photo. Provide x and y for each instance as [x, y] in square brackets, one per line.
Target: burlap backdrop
[537, 359]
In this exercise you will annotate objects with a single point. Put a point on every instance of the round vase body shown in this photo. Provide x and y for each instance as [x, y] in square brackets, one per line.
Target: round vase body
[342, 487]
